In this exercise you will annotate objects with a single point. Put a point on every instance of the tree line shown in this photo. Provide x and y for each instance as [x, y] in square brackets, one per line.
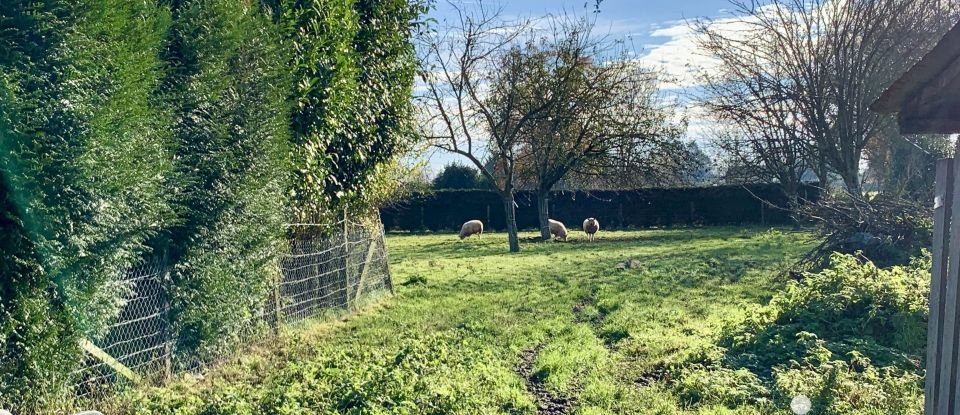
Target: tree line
[191, 130]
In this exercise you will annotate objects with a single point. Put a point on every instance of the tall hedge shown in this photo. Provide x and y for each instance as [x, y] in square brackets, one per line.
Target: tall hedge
[228, 93]
[185, 129]
[446, 210]
[353, 69]
[85, 162]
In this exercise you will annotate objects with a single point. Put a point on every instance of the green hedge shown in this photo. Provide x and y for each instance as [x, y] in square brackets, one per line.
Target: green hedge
[183, 129]
[717, 205]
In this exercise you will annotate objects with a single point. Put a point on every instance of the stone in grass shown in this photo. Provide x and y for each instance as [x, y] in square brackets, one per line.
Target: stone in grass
[628, 264]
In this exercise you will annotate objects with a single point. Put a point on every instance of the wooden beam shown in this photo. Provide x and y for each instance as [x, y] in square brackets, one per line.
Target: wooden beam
[105, 357]
[943, 207]
[947, 360]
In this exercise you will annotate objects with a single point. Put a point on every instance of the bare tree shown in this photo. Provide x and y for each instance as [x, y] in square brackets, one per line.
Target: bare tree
[473, 99]
[812, 68]
[604, 110]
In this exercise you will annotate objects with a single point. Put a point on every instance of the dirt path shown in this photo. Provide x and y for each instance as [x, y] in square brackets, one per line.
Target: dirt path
[548, 403]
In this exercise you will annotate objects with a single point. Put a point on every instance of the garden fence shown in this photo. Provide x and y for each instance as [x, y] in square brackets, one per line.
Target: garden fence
[333, 273]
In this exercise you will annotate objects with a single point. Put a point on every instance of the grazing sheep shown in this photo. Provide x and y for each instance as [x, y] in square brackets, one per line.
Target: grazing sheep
[557, 229]
[590, 227]
[471, 227]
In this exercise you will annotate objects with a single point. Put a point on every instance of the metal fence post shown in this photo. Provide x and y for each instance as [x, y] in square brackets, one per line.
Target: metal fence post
[346, 260]
[167, 321]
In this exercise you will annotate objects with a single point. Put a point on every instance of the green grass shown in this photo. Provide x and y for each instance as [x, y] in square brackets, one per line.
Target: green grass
[452, 338]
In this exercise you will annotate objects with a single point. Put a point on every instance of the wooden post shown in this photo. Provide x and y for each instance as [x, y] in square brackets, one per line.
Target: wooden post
[763, 214]
[487, 223]
[941, 330]
[110, 361]
[277, 306]
[386, 260]
[365, 267]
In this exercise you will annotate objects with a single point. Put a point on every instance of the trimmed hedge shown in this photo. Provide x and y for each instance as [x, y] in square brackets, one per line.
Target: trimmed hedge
[184, 129]
[719, 205]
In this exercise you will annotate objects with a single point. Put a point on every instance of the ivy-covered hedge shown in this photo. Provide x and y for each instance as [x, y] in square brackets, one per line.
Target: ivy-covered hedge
[717, 205]
[188, 129]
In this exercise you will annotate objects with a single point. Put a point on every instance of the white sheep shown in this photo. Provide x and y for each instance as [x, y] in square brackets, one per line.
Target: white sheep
[590, 227]
[557, 229]
[471, 227]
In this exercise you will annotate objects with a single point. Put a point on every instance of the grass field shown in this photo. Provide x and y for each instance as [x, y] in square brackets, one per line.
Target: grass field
[562, 327]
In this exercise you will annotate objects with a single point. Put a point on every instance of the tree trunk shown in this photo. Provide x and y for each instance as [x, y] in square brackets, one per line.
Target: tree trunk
[511, 219]
[851, 180]
[543, 212]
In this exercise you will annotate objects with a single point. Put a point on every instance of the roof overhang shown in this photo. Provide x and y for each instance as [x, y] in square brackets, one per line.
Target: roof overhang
[927, 97]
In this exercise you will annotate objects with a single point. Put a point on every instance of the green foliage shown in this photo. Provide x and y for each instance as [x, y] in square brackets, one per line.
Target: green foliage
[353, 68]
[450, 372]
[850, 386]
[85, 164]
[730, 387]
[853, 305]
[231, 145]
[174, 128]
[850, 337]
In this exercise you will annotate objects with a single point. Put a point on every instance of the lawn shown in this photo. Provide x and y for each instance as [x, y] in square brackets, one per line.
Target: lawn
[563, 327]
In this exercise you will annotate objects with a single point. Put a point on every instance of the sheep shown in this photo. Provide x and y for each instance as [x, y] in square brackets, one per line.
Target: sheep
[590, 227]
[471, 227]
[557, 229]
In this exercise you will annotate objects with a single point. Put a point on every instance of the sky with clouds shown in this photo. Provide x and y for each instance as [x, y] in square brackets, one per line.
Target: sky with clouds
[657, 28]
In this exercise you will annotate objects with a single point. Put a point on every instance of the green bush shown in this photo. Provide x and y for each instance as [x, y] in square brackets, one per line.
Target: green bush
[851, 337]
[849, 386]
[134, 129]
[852, 305]
[228, 94]
[85, 163]
[353, 70]
[452, 372]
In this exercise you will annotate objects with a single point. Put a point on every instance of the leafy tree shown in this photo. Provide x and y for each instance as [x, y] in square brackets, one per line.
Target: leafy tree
[458, 176]
[472, 100]
[603, 109]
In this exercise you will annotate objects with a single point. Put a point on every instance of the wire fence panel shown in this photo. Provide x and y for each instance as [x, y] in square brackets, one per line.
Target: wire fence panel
[328, 272]
[137, 340]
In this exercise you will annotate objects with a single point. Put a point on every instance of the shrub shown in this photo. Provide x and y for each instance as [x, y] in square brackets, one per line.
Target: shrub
[852, 305]
[84, 163]
[850, 337]
[231, 146]
[850, 386]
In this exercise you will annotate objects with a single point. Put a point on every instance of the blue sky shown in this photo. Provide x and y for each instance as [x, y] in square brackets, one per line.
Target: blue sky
[657, 28]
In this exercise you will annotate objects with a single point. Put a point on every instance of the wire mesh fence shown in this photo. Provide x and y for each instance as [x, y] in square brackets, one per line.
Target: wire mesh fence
[335, 272]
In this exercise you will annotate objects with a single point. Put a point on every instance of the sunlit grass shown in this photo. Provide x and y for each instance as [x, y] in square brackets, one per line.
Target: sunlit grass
[606, 336]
